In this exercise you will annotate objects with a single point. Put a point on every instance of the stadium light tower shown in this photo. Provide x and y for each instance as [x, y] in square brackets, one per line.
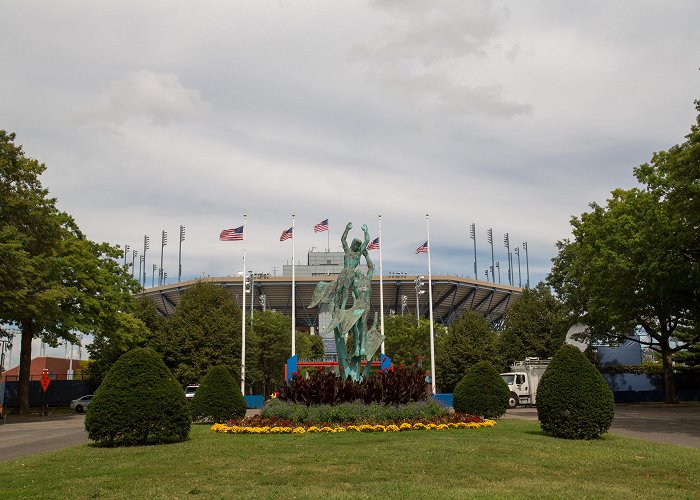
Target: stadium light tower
[527, 265]
[472, 235]
[498, 266]
[163, 242]
[506, 243]
[133, 261]
[153, 276]
[489, 235]
[520, 279]
[146, 246]
[126, 252]
[179, 253]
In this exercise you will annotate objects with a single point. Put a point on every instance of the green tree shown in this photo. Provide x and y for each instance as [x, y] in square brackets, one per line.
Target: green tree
[139, 402]
[204, 331]
[534, 326]
[634, 261]
[218, 397]
[467, 341]
[53, 281]
[406, 340]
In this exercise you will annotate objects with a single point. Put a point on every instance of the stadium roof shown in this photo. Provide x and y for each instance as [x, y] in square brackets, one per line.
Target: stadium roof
[452, 296]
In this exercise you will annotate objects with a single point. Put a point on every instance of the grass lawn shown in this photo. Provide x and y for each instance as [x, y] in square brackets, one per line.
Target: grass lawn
[513, 459]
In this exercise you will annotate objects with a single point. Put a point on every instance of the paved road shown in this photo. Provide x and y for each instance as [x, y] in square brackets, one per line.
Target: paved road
[673, 424]
[30, 435]
[678, 425]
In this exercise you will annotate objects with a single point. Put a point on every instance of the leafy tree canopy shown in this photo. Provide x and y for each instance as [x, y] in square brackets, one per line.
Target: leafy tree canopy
[204, 331]
[53, 281]
[407, 340]
[535, 326]
[634, 261]
[467, 341]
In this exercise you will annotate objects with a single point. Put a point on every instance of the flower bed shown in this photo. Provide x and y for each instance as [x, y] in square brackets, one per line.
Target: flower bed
[262, 425]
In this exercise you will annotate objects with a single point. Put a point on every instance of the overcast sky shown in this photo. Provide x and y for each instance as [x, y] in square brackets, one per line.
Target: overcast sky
[510, 115]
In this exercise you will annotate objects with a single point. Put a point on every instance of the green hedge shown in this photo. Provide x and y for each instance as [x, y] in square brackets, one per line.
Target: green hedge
[352, 412]
[138, 402]
[573, 399]
[218, 398]
[481, 392]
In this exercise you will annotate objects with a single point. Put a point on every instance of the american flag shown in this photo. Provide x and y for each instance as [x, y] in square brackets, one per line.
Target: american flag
[423, 248]
[321, 226]
[232, 234]
[373, 245]
[286, 234]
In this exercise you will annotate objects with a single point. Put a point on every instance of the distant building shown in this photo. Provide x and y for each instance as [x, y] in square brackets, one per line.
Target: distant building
[58, 369]
[323, 264]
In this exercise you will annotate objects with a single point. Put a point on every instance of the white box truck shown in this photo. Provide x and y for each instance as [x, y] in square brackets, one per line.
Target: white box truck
[523, 379]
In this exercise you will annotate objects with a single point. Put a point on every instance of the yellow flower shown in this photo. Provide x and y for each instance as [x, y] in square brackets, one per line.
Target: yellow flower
[405, 426]
[392, 428]
[299, 430]
[442, 427]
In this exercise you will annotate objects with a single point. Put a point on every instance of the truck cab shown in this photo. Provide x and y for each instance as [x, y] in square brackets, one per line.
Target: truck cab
[523, 380]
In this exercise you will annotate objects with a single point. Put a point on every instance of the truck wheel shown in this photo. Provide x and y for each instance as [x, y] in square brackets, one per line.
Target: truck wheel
[513, 400]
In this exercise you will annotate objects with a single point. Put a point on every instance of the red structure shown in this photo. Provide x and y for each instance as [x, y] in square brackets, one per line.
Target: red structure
[57, 367]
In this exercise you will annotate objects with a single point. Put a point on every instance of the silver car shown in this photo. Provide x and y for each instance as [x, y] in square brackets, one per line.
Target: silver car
[190, 390]
[81, 404]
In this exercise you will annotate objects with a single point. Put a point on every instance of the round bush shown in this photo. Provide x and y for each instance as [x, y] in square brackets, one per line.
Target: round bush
[573, 399]
[218, 398]
[138, 402]
[481, 392]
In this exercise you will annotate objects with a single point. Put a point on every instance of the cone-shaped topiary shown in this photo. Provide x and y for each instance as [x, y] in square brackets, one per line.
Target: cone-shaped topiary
[218, 398]
[481, 392]
[138, 402]
[573, 399]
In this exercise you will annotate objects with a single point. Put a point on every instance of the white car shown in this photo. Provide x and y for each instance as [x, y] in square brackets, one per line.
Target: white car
[81, 404]
[190, 390]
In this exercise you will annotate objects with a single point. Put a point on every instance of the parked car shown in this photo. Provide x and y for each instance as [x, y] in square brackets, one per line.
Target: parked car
[190, 390]
[81, 404]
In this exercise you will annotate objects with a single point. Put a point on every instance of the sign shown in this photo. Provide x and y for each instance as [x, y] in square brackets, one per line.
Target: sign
[45, 379]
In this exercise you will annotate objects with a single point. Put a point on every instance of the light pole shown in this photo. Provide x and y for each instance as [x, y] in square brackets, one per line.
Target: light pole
[163, 242]
[472, 235]
[506, 243]
[489, 235]
[126, 252]
[165, 277]
[520, 280]
[419, 291]
[498, 266]
[142, 269]
[527, 266]
[5, 345]
[134, 253]
[146, 246]
[153, 276]
[404, 304]
[179, 253]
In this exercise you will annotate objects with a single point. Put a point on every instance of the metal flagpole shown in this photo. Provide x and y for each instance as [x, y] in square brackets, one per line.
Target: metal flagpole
[430, 300]
[294, 319]
[381, 286]
[243, 317]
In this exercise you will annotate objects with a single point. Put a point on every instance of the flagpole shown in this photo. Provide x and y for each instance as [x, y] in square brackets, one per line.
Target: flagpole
[294, 319]
[381, 285]
[243, 318]
[430, 300]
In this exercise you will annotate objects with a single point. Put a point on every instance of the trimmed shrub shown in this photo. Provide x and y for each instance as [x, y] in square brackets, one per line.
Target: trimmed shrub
[573, 399]
[139, 402]
[218, 398]
[481, 392]
[351, 412]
